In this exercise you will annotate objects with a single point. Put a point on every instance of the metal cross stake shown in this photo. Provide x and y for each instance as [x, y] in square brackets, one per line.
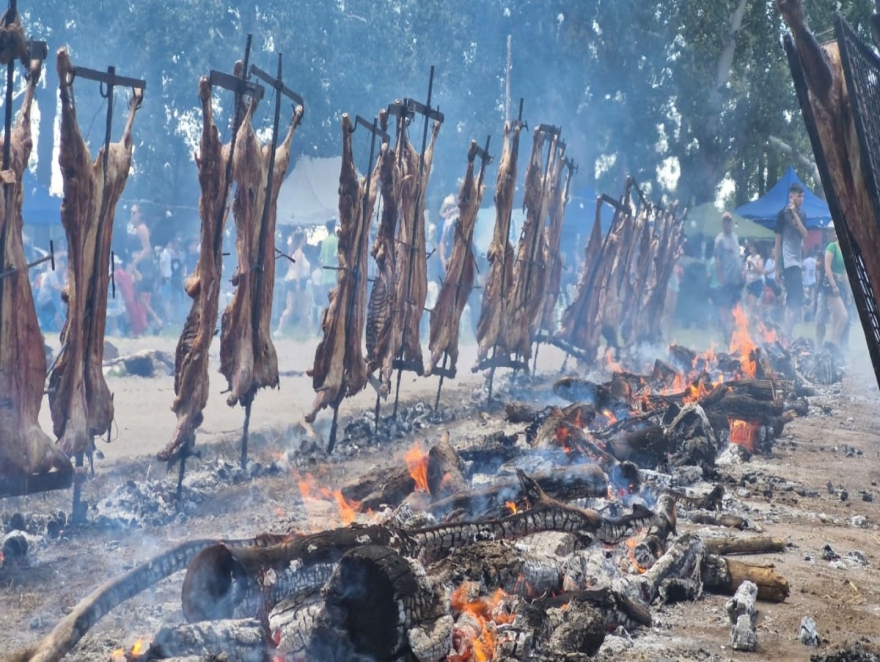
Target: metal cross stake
[518, 122]
[485, 159]
[281, 91]
[429, 113]
[240, 86]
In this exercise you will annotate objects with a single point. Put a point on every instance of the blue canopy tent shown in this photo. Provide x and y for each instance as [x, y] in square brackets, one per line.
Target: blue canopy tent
[764, 210]
[39, 208]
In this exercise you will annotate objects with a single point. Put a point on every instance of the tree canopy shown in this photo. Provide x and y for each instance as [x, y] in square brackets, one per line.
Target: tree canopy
[683, 94]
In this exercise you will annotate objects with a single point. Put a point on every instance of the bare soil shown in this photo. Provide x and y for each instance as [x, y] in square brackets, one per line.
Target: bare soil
[786, 495]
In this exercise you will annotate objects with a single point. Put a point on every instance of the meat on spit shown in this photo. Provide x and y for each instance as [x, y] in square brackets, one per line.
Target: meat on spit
[80, 401]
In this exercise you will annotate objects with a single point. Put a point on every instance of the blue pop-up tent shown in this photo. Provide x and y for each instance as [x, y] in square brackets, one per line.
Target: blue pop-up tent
[765, 209]
[39, 208]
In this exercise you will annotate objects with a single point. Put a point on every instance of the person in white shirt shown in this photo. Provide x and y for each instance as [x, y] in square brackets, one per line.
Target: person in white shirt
[296, 283]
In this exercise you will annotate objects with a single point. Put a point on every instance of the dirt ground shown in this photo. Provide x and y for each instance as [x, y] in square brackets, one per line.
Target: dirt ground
[787, 495]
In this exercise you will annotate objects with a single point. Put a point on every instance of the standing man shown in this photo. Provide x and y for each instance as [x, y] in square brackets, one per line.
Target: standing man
[728, 267]
[791, 230]
[329, 258]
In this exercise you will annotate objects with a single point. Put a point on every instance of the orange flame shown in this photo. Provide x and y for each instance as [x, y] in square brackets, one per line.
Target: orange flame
[513, 507]
[744, 433]
[631, 544]
[741, 343]
[613, 366]
[612, 419]
[309, 490]
[417, 462]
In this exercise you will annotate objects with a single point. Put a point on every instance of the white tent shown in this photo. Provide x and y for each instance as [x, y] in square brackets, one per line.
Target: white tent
[310, 194]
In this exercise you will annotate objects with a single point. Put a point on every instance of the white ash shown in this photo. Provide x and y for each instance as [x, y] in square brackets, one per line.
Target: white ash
[807, 634]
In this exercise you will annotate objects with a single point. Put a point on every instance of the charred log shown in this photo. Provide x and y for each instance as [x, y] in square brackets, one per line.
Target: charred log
[722, 575]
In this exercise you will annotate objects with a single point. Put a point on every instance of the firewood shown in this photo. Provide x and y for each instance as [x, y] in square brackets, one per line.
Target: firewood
[750, 545]
[579, 481]
[675, 576]
[380, 487]
[444, 469]
[518, 412]
[722, 575]
[372, 602]
[246, 637]
[709, 501]
[653, 545]
[729, 521]
[67, 633]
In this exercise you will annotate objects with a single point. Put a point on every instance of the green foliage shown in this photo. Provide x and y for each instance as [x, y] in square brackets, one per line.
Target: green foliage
[631, 82]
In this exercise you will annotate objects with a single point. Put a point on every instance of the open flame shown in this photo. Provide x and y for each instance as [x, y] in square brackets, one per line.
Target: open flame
[139, 649]
[631, 544]
[613, 366]
[741, 343]
[489, 612]
[511, 505]
[744, 433]
[612, 419]
[310, 490]
[417, 462]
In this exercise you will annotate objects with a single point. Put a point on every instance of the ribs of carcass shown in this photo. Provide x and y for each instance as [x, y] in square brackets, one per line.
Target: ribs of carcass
[461, 268]
[558, 199]
[499, 280]
[24, 448]
[203, 285]
[80, 401]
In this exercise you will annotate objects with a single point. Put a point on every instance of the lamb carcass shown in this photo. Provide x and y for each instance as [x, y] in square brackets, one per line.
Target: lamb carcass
[558, 199]
[339, 367]
[81, 403]
[461, 268]
[202, 286]
[499, 280]
[24, 448]
[248, 359]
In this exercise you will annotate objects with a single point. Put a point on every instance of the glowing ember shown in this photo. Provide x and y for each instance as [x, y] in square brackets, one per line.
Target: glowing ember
[417, 462]
[488, 612]
[138, 649]
[744, 433]
[741, 343]
[612, 419]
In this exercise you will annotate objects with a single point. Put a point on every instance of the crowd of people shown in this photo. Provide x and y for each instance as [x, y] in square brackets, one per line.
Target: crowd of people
[779, 283]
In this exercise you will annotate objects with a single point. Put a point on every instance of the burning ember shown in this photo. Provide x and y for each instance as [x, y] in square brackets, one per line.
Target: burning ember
[612, 419]
[475, 638]
[513, 507]
[613, 366]
[744, 433]
[417, 462]
[741, 343]
[137, 650]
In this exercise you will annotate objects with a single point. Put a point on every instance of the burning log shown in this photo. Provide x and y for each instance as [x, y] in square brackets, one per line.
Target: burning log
[499, 281]
[202, 286]
[248, 359]
[246, 637]
[80, 401]
[444, 469]
[374, 602]
[67, 633]
[460, 270]
[709, 501]
[339, 367]
[24, 448]
[724, 576]
[674, 577]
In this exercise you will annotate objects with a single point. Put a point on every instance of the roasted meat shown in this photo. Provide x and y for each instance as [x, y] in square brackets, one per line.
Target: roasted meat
[248, 359]
[81, 403]
[24, 448]
[461, 268]
[202, 286]
[499, 280]
[558, 199]
[339, 367]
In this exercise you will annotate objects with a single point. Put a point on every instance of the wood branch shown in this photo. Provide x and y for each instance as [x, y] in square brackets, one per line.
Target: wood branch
[802, 158]
[444, 470]
[722, 575]
[246, 637]
[751, 545]
[729, 521]
[67, 633]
